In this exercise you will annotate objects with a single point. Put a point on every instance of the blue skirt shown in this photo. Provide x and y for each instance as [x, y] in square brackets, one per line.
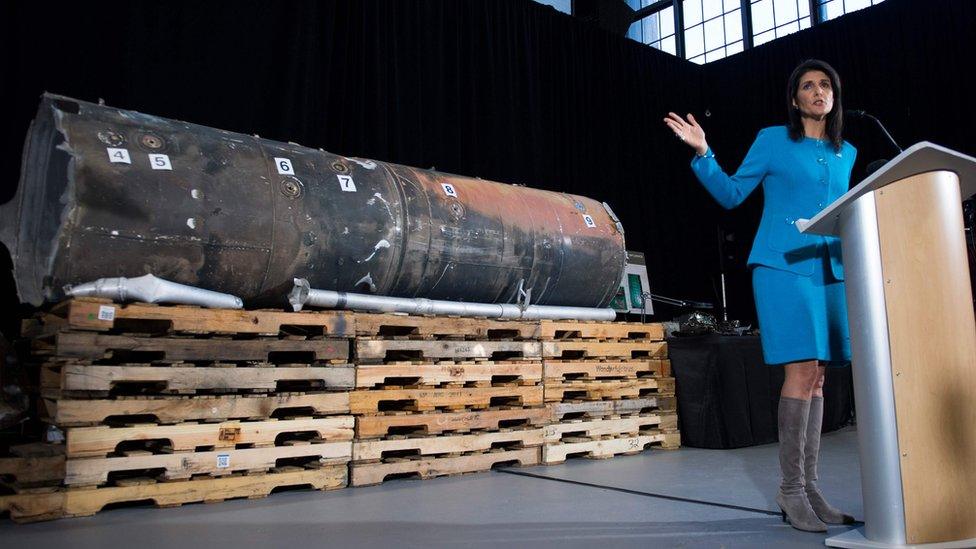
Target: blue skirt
[801, 318]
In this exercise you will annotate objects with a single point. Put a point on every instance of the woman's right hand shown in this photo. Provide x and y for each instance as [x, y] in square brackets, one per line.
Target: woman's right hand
[688, 131]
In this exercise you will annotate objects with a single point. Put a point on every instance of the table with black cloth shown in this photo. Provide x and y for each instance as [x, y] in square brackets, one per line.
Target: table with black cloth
[728, 397]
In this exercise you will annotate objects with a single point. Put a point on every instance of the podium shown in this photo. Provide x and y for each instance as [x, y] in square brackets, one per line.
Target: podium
[913, 344]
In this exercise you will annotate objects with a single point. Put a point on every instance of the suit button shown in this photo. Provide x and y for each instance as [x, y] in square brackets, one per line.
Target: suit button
[821, 160]
[820, 204]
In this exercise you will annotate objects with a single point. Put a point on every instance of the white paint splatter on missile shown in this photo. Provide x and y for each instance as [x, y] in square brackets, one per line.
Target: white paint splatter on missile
[191, 223]
[383, 200]
[379, 245]
[115, 233]
[195, 193]
[345, 230]
[368, 164]
[368, 281]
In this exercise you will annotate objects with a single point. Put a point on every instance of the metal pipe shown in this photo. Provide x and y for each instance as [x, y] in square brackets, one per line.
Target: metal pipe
[302, 294]
[151, 289]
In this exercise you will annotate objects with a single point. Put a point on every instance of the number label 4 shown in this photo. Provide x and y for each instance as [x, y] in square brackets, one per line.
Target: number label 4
[118, 156]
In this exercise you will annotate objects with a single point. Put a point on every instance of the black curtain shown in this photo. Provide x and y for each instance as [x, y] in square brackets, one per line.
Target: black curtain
[509, 91]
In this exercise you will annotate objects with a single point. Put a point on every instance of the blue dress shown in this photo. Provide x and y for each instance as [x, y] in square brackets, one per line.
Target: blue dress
[797, 279]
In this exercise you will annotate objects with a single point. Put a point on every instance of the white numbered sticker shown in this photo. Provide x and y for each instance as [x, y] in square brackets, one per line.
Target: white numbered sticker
[160, 162]
[589, 221]
[223, 461]
[106, 312]
[284, 166]
[118, 156]
[346, 183]
[449, 190]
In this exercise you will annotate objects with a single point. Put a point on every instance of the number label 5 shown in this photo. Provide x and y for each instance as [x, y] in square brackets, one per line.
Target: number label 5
[160, 162]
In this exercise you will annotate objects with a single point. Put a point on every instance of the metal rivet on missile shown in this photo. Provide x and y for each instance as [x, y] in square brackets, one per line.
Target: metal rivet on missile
[340, 167]
[292, 188]
[111, 138]
[151, 141]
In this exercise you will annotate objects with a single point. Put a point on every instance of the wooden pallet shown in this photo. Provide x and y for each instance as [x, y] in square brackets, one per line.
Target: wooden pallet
[70, 412]
[127, 348]
[419, 400]
[605, 369]
[377, 450]
[103, 315]
[608, 448]
[32, 465]
[68, 503]
[602, 389]
[384, 349]
[623, 426]
[578, 329]
[184, 465]
[59, 381]
[580, 349]
[432, 423]
[367, 474]
[397, 325]
[82, 442]
[411, 373]
[603, 408]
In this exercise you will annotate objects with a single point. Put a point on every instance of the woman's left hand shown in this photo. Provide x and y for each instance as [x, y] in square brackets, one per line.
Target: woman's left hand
[688, 131]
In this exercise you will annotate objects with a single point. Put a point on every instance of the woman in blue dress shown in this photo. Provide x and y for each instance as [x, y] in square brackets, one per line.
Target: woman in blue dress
[797, 279]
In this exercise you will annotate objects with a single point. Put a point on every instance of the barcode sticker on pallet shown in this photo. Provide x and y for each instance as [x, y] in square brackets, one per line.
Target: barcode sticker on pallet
[106, 312]
[223, 461]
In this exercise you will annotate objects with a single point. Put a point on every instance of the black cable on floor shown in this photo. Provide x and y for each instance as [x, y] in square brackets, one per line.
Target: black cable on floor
[646, 494]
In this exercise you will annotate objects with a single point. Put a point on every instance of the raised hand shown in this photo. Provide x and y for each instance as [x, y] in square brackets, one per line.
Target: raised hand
[688, 131]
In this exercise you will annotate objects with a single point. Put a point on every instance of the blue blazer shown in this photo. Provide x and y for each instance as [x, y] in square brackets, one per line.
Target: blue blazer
[799, 179]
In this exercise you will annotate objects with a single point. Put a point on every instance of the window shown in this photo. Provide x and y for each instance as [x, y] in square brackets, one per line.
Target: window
[656, 30]
[565, 6]
[708, 30]
[776, 18]
[713, 29]
[831, 9]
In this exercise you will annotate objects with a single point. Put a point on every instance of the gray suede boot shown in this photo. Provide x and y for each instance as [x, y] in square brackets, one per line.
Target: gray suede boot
[792, 498]
[811, 453]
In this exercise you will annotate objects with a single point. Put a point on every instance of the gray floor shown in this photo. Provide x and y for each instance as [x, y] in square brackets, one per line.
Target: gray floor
[496, 507]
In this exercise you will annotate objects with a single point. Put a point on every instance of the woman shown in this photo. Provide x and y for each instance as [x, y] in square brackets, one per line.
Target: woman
[797, 279]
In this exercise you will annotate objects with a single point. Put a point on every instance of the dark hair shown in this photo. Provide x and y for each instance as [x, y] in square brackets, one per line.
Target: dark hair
[835, 119]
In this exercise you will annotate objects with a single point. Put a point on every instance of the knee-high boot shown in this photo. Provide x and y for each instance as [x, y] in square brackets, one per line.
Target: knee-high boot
[811, 453]
[792, 498]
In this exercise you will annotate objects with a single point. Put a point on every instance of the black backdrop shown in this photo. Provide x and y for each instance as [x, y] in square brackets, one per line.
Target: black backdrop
[510, 91]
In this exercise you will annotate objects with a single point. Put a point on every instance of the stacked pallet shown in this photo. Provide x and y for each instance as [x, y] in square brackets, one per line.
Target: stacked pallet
[441, 396]
[610, 389]
[183, 404]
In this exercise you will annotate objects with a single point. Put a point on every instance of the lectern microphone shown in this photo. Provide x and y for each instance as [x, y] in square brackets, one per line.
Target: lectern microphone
[857, 113]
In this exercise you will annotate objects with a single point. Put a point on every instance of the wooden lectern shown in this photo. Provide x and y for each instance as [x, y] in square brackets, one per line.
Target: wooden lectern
[913, 341]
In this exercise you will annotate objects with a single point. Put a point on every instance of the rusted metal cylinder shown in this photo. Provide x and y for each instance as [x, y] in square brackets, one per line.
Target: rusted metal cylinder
[106, 192]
